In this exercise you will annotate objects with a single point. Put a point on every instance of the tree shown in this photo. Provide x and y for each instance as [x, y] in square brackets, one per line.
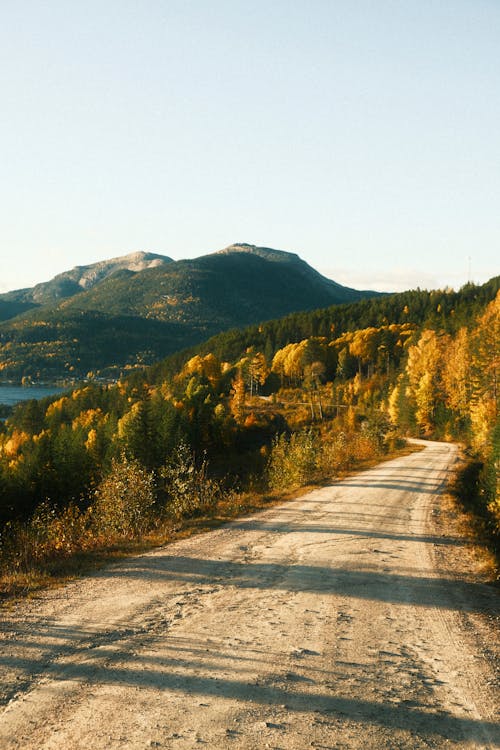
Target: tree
[363, 346]
[399, 407]
[258, 372]
[238, 398]
[425, 382]
[485, 347]
[346, 364]
[456, 374]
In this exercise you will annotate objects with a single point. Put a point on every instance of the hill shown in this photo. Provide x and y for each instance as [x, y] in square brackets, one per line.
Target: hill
[115, 315]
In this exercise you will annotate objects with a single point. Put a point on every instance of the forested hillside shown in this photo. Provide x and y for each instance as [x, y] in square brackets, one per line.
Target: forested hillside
[247, 403]
[445, 310]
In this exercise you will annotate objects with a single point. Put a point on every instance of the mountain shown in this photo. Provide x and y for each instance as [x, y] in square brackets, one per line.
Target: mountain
[310, 276]
[137, 309]
[79, 279]
[228, 288]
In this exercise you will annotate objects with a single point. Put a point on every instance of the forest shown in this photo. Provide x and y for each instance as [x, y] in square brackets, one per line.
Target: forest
[255, 410]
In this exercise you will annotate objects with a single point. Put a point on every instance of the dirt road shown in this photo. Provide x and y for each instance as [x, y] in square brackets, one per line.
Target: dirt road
[344, 619]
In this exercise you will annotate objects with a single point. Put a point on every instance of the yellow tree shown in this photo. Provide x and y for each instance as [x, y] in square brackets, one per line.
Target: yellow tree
[238, 398]
[293, 362]
[485, 360]
[424, 375]
[278, 364]
[285, 362]
[363, 346]
[486, 354]
[208, 367]
[394, 404]
[258, 371]
[399, 407]
[456, 374]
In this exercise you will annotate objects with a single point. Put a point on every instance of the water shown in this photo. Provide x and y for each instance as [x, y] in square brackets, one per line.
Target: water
[12, 394]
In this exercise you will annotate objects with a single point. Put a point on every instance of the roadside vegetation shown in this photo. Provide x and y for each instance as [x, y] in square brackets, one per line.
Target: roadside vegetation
[133, 508]
[209, 434]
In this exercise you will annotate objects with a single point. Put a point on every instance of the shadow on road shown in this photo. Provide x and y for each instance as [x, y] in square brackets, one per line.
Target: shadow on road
[376, 585]
[177, 673]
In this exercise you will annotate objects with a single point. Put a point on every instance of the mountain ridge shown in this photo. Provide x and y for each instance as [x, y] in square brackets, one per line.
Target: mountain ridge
[83, 277]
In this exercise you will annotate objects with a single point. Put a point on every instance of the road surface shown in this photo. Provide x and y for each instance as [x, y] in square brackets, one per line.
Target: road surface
[344, 619]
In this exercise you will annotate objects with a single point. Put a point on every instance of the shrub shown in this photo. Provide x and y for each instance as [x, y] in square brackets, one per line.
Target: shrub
[294, 460]
[124, 501]
[188, 487]
[48, 535]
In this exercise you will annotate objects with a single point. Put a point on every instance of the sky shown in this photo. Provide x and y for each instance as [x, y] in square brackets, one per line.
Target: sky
[363, 135]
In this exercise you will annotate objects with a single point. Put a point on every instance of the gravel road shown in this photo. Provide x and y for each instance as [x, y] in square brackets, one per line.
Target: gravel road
[348, 618]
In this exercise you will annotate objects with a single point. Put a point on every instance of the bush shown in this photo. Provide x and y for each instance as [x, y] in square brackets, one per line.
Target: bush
[294, 460]
[472, 488]
[124, 501]
[376, 427]
[188, 488]
[48, 535]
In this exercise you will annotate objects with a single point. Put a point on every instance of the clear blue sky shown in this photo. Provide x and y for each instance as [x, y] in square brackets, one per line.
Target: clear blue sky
[363, 135]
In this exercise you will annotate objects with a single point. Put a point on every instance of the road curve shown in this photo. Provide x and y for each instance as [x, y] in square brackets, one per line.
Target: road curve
[340, 620]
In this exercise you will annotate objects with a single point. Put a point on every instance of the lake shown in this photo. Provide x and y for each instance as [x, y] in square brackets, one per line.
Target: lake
[12, 394]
